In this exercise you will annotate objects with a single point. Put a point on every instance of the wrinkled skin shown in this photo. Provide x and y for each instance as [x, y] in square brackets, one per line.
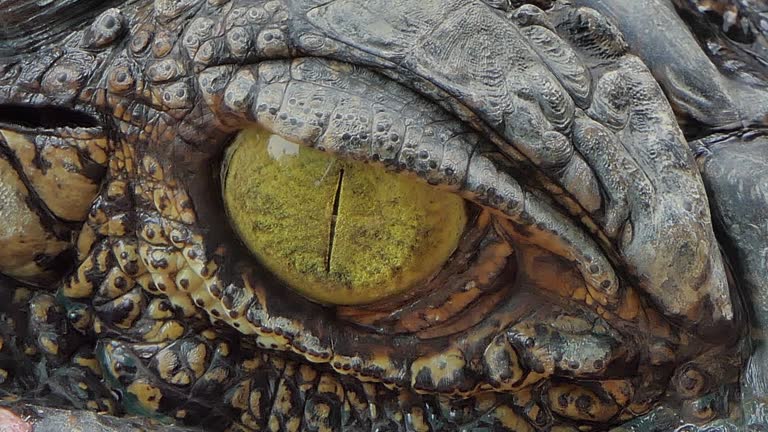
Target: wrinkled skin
[611, 153]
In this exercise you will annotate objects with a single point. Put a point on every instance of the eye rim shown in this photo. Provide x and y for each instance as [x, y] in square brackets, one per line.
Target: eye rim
[490, 296]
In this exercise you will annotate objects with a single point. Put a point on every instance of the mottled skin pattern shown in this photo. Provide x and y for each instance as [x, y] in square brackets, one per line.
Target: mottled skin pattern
[595, 142]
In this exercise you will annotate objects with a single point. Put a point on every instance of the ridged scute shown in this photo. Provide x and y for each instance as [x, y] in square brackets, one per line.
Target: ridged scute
[562, 61]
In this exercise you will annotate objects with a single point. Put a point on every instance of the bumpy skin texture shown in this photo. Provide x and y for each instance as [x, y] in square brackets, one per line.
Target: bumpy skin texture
[590, 291]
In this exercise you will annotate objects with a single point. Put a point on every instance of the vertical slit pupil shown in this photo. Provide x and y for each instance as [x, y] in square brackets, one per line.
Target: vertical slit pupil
[334, 217]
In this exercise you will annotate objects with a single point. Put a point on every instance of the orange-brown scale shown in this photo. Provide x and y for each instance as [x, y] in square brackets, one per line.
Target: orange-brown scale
[59, 168]
[580, 403]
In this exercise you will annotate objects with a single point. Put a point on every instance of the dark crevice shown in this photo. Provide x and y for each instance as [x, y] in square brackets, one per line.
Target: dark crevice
[45, 117]
[60, 264]
[694, 129]
[334, 217]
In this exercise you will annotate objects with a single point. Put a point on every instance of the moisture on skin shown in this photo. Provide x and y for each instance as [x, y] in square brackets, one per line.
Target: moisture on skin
[337, 231]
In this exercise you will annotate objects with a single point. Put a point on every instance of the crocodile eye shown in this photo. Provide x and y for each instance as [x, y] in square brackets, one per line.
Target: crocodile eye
[337, 231]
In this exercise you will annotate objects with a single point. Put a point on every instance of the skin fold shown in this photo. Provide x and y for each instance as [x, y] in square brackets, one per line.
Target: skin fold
[611, 158]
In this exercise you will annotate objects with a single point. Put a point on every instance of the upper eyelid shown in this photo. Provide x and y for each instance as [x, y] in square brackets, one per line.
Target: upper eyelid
[390, 130]
[270, 95]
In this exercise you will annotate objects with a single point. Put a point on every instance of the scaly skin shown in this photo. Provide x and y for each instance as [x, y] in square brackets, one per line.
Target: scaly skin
[588, 292]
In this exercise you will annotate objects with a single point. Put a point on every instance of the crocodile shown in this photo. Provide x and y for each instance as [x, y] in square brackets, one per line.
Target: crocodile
[600, 162]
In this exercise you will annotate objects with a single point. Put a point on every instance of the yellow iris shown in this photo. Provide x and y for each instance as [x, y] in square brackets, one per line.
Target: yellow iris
[337, 231]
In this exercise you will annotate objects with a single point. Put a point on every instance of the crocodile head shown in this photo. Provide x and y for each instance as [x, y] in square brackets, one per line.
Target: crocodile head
[586, 290]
